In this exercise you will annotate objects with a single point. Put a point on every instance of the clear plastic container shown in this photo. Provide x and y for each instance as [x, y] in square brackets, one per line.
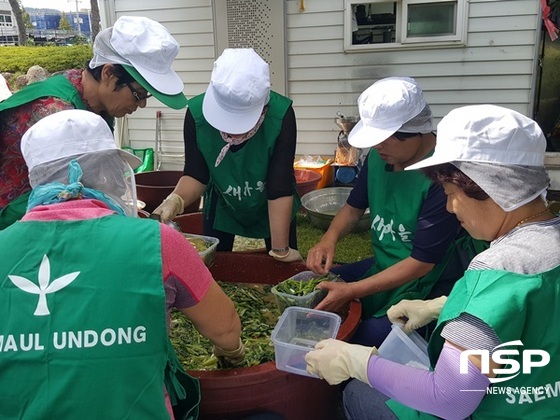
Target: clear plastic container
[205, 245]
[297, 332]
[310, 300]
[410, 350]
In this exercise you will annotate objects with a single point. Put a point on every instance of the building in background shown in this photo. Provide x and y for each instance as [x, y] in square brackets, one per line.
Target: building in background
[8, 28]
[45, 25]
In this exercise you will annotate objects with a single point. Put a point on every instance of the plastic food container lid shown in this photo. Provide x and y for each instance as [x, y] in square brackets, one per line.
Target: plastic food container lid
[296, 334]
[410, 350]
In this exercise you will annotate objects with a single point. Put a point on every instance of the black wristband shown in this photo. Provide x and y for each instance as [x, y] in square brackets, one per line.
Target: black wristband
[285, 249]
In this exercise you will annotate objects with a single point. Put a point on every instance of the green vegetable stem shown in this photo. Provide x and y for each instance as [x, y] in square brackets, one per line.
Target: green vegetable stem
[296, 287]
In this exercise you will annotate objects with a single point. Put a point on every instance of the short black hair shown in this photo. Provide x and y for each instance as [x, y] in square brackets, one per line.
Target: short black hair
[123, 77]
[448, 172]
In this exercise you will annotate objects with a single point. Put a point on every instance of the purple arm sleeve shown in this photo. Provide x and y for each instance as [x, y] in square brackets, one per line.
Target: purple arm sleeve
[441, 393]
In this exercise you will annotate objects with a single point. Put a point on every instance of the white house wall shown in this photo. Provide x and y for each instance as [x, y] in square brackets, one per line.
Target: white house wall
[191, 24]
[497, 65]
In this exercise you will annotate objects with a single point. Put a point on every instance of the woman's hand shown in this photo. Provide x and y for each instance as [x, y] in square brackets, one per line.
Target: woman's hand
[320, 257]
[416, 313]
[339, 294]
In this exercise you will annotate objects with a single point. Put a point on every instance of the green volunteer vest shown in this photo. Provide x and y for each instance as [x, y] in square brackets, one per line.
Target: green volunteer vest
[395, 201]
[516, 307]
[240, 180]
[83, 332]
[55, 86]
[14, 211]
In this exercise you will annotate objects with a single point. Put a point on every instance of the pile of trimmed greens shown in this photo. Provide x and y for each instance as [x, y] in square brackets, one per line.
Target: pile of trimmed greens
[256, 306]
[259, 314]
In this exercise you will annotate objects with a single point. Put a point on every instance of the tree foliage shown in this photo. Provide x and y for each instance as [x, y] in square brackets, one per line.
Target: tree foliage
[64, 24]
[26, 18]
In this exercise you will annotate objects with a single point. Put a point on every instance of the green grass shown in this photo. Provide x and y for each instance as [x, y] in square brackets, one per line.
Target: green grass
[353, 247]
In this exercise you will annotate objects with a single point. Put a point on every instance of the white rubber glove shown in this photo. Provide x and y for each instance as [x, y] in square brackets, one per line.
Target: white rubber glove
[291, 256]
[171, 207]
[335, 361]
[229, 358]
[416, 313]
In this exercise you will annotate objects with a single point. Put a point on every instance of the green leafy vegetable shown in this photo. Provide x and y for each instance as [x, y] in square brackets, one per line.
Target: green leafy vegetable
[258, 313]
[296, 287]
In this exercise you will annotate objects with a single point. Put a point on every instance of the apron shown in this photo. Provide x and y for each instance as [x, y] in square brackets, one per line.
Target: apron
[14, 211]
[71, 316]
[395, 202]
[515, 306]
[239, 182]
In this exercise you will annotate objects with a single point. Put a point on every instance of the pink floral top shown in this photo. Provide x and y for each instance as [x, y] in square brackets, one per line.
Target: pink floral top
[13, 125]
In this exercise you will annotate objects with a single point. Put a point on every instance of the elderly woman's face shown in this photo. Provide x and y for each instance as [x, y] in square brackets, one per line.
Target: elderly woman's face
[117, 99]
[482, 219]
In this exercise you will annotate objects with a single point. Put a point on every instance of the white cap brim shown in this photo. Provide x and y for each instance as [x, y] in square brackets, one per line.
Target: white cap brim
[363, 136]
[168, 83]
[229, 121]
[433, 160]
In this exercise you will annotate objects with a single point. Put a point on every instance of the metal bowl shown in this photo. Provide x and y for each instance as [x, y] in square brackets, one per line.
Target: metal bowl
[322, 205]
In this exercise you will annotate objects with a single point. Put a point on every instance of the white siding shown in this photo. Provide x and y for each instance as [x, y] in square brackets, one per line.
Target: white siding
[496, 66]
[190, 23]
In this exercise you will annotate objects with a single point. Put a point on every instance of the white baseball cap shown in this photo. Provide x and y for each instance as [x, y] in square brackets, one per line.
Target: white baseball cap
[238, 91]
[487, 133]
[386, 107]
[69, 133]
[146, 50]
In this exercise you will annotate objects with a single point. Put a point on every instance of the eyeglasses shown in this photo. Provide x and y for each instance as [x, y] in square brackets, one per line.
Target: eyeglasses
[138, 96]
[399, 135]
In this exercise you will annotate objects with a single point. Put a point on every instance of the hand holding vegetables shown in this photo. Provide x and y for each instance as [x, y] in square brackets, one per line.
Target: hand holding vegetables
[229, 358]
[339, 294]
[296, 287]
[320, 257]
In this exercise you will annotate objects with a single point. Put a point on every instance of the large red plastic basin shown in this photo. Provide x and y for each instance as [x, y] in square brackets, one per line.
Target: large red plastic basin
[153, 187]
[306, 181]
[235, 393]
[190, 223]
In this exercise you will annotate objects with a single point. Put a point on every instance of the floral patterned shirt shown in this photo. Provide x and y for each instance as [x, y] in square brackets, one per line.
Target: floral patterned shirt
[13, 125]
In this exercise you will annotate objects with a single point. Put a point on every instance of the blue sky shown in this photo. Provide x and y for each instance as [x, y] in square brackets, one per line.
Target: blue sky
[63, 5]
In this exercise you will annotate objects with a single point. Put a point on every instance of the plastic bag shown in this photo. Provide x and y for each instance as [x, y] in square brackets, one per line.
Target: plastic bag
[147, 156]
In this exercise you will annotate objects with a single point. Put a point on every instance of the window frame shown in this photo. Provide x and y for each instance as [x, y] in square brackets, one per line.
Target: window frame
[404, 41]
